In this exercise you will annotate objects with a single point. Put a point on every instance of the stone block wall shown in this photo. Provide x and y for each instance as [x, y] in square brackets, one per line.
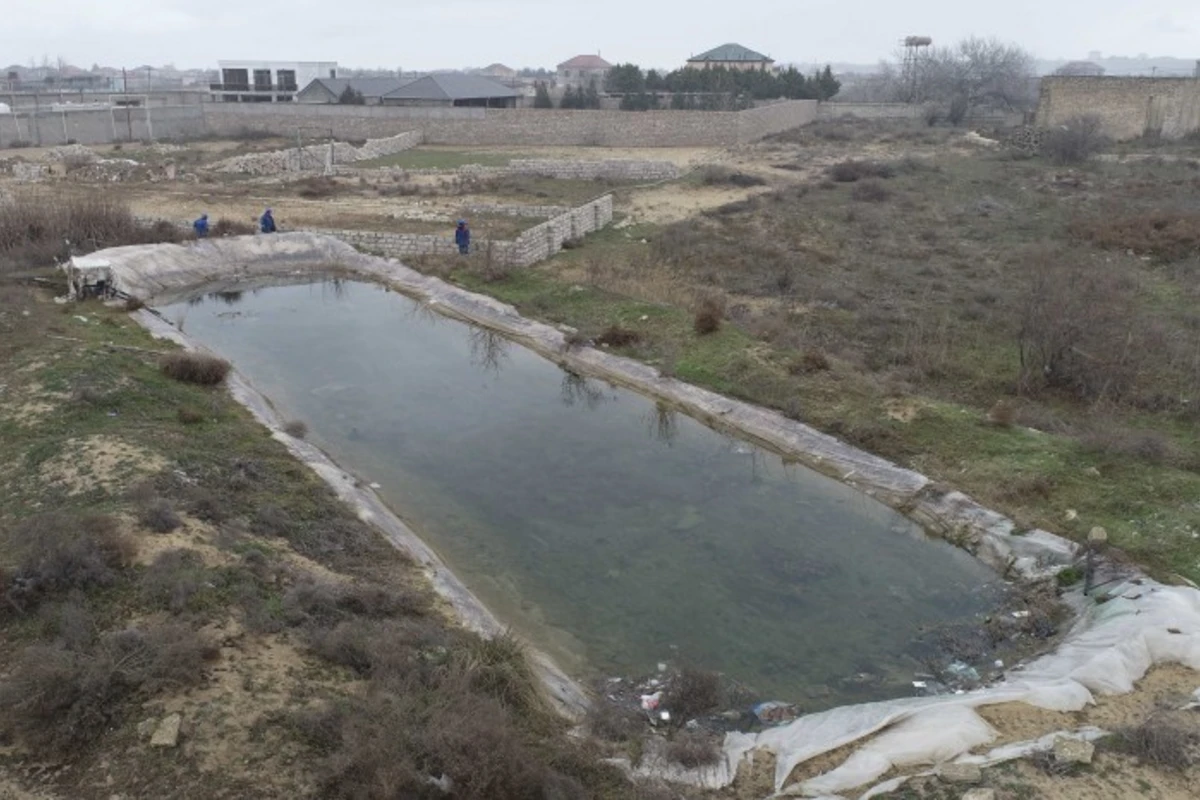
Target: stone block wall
[616, 169]
[835, 110]
[101, 126]
[542, 212]
[534, 245]
[518, 126]
[1129, 107]
[317, 156]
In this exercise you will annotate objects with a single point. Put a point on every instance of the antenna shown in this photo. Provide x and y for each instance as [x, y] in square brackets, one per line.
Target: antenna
[912, 61]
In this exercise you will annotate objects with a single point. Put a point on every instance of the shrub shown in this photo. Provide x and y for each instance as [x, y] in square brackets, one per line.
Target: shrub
[190, 416]
[693, 750]
[709, 315]
[133, 304]
[616, 336]
[159, 516]
[17, 144]
[1147, 446]
[1075, 141]
[198, 368]
[296, 428]
[612, 723]
[1165, 235]
[60, 552]
[174, 579]
[316, 188]
[1161, 741]
[229, 227]
[717, 175]
[870, 191]
[63, 700]
[325, 603]
[1003, 414]
[1078, 330]
[693, 692]
[852, 170]
[810, 361]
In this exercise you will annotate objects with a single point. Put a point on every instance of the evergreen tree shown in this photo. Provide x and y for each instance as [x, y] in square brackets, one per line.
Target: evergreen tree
[570, 98]
[827, 85]
[350, 97]
[590, 97]
[541, 97]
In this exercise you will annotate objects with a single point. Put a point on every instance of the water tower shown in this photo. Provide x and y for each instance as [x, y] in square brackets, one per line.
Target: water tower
[913, 45]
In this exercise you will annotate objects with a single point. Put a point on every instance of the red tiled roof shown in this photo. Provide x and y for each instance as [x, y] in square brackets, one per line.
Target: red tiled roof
[585, 62]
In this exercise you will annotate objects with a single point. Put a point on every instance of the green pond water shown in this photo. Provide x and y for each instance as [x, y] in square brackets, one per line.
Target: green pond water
[613, 533]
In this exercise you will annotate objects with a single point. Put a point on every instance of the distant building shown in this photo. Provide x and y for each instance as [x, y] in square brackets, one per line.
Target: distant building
[452, 89]
[580, 71]
[499, 72]
[1086, 69]
[267, 81]
[731, 56]
[330, 90]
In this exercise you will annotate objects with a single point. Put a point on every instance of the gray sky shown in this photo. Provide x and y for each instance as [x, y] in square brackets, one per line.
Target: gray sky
[423, 34]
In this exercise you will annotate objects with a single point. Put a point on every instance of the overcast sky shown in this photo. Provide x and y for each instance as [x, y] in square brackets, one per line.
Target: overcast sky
[426, 34]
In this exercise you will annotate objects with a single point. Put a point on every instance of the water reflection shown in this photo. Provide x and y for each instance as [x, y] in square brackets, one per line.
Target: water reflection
[578, 389]
[663, 423]
[489, 350]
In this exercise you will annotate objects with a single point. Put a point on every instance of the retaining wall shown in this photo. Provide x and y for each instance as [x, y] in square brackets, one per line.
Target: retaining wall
[870, 111]
[1129, 107]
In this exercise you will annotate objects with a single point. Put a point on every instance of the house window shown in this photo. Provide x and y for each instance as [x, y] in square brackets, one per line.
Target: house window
[333, 73]
[262, 79]
[286, 79]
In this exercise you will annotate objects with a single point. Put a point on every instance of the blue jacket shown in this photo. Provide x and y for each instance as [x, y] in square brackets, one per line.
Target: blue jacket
[201, 227]
[267, 223]
[462, 235]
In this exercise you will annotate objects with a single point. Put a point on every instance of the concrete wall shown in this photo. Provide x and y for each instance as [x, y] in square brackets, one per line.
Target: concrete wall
[47, 128]
[506, 126]
[870, 111]
[317, 156]
[1128, 106]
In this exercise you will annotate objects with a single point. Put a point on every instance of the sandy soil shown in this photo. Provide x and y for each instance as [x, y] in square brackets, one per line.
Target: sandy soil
[100, 462]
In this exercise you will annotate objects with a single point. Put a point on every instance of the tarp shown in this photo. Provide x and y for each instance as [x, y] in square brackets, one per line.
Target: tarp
[1111, 647]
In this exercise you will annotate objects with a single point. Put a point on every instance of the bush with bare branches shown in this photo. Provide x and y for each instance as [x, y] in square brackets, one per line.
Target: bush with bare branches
[1075, 141]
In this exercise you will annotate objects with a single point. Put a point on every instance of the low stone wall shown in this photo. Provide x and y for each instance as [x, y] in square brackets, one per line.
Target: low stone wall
[1128, 107]
[542, 212]
[534, 245]
[542, 241]
[616, 169]
[318, 156]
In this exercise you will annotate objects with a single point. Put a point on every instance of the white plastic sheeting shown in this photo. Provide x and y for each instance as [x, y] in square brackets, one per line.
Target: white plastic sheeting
[1109, 649]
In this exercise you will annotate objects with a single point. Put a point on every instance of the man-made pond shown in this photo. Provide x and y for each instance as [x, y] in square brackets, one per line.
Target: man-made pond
[611, 531]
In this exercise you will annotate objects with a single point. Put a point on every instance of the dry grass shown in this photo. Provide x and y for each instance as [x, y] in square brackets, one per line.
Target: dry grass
[198, 368]
[853, 170]
[693, 749]
[616, 336]
[1077, 140]
[62, 698]
[297, 428]
[1166, 741]
[60, 553]
[158, 514]
[693, 692]
[717, 175]
[38, 228]
[1164, 235]
[229, 227]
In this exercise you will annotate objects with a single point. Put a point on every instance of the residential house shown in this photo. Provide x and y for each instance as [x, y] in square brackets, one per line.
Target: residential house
[1080, 69]
[267, 81]
[731, 56]
[581, 71]
[499, 73]
[330, 90]
[452, 89]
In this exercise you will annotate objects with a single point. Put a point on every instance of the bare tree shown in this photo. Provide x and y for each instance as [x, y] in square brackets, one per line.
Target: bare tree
[978, 73]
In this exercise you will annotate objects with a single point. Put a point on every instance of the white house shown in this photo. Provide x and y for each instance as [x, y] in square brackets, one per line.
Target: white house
[267, 81]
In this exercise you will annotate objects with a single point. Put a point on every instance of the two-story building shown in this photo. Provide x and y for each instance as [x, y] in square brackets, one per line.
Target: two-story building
[580, 71]
[731, 56]
[267, 81]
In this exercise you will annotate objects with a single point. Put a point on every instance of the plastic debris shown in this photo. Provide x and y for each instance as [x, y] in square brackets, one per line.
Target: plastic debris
[1022, 614]
[665, 716]
[962, 671]
[775, 712]
[920, 685]
[662, 667]
[650, 701]
[999, 663]
[374, 485]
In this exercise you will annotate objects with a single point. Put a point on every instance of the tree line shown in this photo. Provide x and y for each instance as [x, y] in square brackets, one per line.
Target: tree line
[714, 89]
